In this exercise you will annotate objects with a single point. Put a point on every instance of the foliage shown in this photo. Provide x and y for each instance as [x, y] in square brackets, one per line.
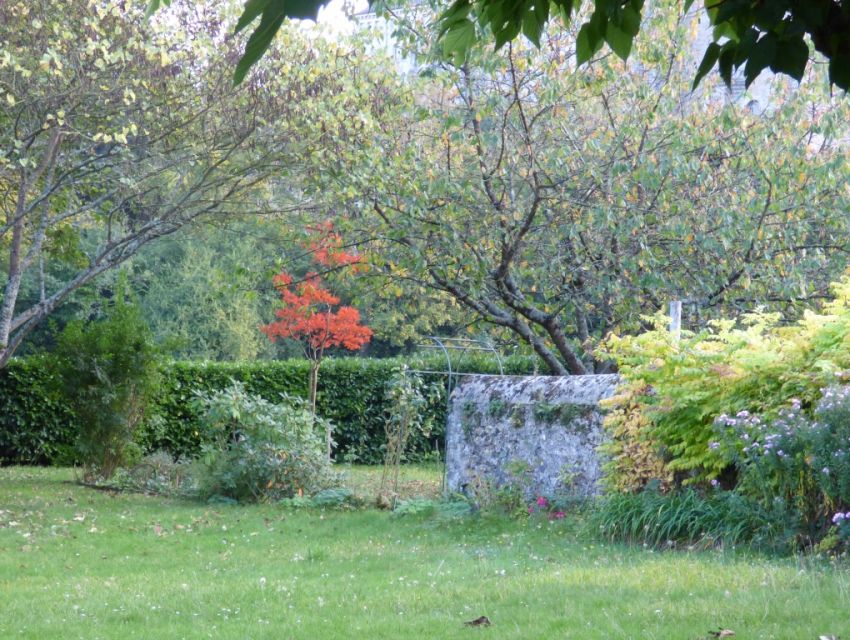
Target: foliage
[352, 394]
[205, 290]
[158, 474]
[689, 518]
[408, 414]
[751, 36]
[799, 461]
[560, 235]
[307, 314]
[108, 372]
[755, 367]
[259, 451]
[36, 421]
[118, 131]
[632, 460]
[755, 36]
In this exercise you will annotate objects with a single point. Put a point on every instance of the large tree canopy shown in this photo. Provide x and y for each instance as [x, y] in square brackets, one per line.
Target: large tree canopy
[117, 131]
[563, 206]
[752, 35]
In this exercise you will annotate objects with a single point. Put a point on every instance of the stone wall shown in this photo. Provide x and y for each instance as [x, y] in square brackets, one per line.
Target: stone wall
[550, 426]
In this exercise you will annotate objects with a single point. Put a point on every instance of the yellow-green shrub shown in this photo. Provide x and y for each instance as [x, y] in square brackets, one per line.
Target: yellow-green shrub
[752, 364]
[632, 459]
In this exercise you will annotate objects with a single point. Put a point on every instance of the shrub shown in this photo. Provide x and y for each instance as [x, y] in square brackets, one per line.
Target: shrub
[36, 421]
[107, 370]
[38, 424]
[754, 366]
[631, 459]
[801, 461]
[157, 473]
[260, 451]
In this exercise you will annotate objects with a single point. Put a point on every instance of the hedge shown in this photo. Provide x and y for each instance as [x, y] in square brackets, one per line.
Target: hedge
[36, 423]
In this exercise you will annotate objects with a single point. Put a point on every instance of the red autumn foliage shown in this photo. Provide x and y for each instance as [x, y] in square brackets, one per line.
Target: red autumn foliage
[327, 247]
[307, 315]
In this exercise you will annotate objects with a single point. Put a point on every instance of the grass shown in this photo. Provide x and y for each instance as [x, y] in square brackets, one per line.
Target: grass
[415, 481]
[79, 563]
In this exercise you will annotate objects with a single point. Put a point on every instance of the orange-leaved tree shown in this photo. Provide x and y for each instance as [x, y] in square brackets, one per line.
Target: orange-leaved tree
[308, 316]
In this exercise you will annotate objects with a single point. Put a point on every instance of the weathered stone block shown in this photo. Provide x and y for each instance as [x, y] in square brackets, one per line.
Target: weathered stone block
[550, 425]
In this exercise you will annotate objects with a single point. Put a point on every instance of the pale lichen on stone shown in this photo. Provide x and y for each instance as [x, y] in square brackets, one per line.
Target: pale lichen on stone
[550, 426]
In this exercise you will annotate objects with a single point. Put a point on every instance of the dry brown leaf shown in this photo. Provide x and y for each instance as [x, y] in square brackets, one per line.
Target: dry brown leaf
[483, 621]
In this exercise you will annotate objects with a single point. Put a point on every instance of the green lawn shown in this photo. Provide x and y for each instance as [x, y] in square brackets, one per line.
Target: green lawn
[79, 563]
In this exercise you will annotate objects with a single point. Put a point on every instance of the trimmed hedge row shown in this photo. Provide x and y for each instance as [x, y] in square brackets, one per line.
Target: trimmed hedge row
[36, 423]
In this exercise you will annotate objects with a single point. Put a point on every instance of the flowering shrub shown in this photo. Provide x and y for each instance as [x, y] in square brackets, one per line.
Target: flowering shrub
[774, 458]
[754, 362]
[803, 462]
[830, 445]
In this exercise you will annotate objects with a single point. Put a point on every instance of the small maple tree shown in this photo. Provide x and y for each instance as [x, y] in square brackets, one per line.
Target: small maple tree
[308, 316]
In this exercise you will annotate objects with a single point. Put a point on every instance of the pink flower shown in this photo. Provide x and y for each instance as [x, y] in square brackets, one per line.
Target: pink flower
[530, 509]
[558, 515]
[542, 502]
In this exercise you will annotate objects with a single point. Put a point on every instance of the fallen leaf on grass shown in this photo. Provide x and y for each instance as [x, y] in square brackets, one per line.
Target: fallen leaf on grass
[483, 621]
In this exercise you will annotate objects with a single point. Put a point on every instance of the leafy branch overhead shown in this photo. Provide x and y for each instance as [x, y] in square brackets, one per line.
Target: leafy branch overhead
[749, 35]
[752, 35]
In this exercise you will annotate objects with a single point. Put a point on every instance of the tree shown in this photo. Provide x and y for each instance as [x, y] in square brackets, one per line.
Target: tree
[561, 206]
[117, 131]
[109, 372]
[308, 317]
[749, 34]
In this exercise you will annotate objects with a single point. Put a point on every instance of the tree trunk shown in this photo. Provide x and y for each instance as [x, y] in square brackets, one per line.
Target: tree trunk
[314, 385]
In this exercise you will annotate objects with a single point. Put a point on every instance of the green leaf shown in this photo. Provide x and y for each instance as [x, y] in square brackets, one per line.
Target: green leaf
[252, 10]
[619, 41]
[630, 21]
[587, 43]
[564, 8]
[534, 19]
[839, 71]
[708, 60]
[760, 56]
[154, 5]
[458, 38]
[273, 15]
[725, 61]
[792, 56]
[508, 32]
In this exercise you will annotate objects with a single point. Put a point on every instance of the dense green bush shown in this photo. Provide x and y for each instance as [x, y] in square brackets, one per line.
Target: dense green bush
[36, 422]
[108, 372]
[259, 451]
[352, 394]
